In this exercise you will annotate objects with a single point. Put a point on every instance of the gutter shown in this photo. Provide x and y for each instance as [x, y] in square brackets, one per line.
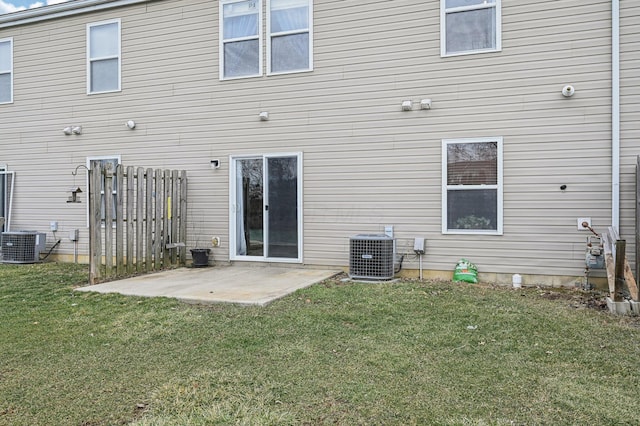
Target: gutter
[61, 10]
[615, 114]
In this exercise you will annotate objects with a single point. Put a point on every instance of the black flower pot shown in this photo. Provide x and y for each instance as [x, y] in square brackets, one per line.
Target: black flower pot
[200, 257]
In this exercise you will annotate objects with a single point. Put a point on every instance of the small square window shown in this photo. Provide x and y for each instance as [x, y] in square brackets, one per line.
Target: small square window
[470, 26]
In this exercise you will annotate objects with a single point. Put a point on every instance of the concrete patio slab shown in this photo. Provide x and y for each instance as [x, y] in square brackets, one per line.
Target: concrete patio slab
[250, 285]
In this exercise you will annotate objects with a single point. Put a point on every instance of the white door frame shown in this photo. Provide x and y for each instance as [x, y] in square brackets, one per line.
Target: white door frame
[233, 207]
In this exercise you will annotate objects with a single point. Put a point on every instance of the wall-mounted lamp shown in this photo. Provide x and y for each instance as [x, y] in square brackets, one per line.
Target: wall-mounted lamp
[131, 124]
[67, 130]
[215, 164]
[425, 104]
[74, 194]
[407, 105]
[264, 116]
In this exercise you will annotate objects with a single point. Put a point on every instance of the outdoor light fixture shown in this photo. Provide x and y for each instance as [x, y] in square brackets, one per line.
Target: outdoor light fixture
[76, 130]
[407, 105]
[568, 91]
[131, 124]
[67, 130]
[425, 104]
[264, 116]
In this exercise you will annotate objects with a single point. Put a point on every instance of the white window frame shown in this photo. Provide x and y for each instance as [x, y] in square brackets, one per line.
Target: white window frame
[3, 191]
[10, 70]
[233, 208]
[223, 41]
[497, 4]
[271, 35]
[118, 56]
[114, 192]
[498, 187]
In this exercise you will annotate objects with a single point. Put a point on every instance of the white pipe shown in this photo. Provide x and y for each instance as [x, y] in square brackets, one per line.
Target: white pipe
[615, 114]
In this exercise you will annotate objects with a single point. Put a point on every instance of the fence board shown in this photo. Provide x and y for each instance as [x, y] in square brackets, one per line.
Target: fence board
[139, 218]
[158, 245]
[166, 199]
[120, 266]
[95, 241]
[129, 219]
[183, 216]
[108, 219]
[148, 236]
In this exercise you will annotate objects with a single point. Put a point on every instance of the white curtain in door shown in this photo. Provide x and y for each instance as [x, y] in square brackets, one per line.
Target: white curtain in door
[241, 243]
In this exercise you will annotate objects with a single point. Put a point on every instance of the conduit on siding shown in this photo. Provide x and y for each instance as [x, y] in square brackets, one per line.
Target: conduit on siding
[615, 113]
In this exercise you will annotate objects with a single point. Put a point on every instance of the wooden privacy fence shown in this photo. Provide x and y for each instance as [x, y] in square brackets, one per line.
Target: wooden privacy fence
[142, 226]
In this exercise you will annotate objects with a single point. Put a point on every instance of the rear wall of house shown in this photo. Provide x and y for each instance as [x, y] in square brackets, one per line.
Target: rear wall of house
[366, 163]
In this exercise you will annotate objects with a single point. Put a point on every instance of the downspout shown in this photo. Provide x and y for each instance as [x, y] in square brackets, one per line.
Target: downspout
[615, 114]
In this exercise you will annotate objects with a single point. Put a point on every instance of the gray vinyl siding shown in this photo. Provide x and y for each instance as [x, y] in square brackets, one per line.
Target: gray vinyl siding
[366, 163]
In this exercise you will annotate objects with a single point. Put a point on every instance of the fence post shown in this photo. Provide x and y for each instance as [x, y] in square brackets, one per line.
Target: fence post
[120, 267]
[619, 274]
[166, 195]
[140, 185]
[108, 219]
[173, 223]
[95, 229]
[158, 248]
[183, 216]
[149, 222]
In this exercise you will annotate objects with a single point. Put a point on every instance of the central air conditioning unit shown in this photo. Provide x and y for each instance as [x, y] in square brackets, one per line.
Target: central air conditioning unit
[371, 257]
[22, 246]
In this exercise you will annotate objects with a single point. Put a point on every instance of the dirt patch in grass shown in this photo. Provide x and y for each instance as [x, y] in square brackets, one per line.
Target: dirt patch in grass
[576, 299]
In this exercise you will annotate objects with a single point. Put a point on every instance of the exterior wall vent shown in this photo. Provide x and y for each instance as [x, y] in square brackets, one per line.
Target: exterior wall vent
[371, 257]
[22, 246]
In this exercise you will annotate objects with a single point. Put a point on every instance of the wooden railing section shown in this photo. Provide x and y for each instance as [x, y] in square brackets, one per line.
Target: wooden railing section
[142, 226]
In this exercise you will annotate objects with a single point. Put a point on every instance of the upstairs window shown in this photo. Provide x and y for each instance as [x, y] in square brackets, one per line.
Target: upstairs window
[241, 40]
[288, 37]
[103, 53]
[289, 43]
[6, 71]
[472, 186]
[470, 26]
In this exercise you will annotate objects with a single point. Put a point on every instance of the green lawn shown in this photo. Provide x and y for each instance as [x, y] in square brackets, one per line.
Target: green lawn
[337, 353]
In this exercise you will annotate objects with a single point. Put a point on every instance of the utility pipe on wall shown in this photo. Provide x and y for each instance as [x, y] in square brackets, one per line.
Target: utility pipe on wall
[615, 114]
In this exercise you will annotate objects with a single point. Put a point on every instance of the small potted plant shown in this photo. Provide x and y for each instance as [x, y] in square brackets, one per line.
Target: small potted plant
[200, 257]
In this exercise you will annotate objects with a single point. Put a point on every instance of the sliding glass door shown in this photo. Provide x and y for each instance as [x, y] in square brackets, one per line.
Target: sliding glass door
[266, 211]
